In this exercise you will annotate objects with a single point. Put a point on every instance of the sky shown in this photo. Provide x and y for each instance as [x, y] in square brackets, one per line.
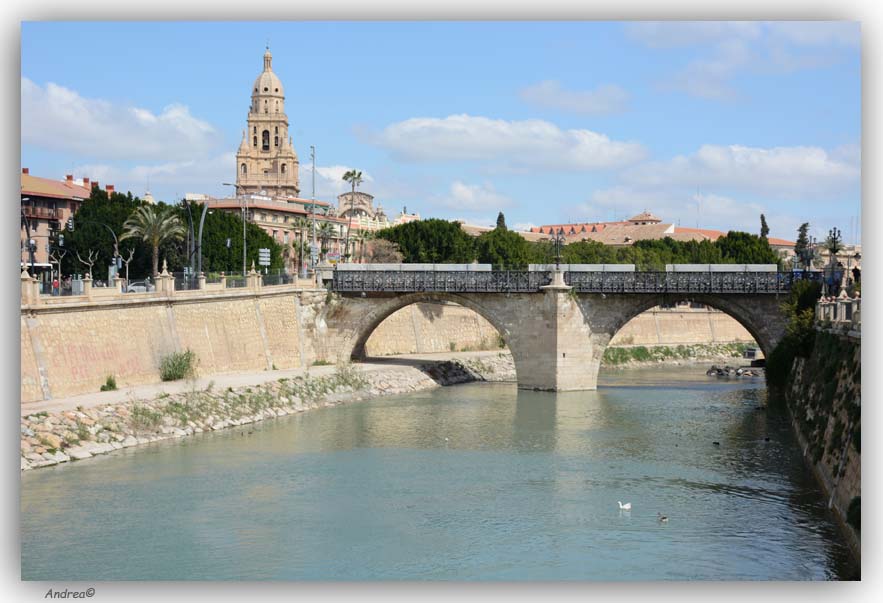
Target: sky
[705, 124]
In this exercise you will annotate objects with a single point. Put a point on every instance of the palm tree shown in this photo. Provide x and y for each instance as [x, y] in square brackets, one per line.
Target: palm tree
[325, 233]
[154, 226]
[354, 177]
[364, 237]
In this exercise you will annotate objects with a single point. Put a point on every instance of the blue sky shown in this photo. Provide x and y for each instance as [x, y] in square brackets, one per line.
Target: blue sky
[705, 122]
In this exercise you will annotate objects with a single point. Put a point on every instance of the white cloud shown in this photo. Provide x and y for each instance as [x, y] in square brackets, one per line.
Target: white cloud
[669, 34]
[167, 181]
[330, 182]
[728, 48]
[473, 198]
[784, 172]
[57, 118]
[606, 98]
[701, 210]
[519, 145]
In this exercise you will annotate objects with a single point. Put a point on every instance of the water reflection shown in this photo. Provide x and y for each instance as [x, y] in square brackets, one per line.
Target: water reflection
[468, 482]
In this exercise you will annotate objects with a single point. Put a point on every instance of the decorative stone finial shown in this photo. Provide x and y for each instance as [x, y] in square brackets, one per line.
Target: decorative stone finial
[165, 268]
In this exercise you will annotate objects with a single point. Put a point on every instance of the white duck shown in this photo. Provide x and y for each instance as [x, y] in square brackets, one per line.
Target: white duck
[624, 507]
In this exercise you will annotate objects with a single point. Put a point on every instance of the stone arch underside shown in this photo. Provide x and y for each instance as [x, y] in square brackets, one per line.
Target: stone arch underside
[362, 316]
[556, 339]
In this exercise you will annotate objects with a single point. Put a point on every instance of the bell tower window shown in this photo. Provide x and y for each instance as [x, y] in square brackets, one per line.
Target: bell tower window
[255, 142]
[283, 168]
[265, 140]
[244, 169]
[275, 141]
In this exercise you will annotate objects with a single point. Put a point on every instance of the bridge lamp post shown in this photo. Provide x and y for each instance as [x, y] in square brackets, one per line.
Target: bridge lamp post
[558, 240]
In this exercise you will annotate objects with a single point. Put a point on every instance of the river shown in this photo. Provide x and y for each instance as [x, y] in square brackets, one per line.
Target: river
[469, 482]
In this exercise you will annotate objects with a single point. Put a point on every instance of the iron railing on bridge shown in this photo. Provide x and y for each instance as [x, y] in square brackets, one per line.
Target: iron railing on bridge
[501, 281]
[509, 281]
[679, 282]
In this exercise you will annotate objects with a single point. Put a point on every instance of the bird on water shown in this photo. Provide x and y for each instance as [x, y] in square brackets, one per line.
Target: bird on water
[662, 518]
[624, 507]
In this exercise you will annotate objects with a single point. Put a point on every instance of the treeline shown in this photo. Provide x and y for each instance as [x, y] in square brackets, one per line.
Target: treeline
[439, 241]
[99, 214]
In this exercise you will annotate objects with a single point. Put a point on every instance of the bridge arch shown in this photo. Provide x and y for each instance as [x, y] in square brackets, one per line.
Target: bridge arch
[353, 343]
[760, 315]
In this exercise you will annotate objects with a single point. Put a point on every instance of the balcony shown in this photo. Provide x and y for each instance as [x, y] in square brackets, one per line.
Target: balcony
[43, 213]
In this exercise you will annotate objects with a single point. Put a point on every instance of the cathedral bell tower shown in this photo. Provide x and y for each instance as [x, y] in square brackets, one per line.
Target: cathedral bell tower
[266, 160]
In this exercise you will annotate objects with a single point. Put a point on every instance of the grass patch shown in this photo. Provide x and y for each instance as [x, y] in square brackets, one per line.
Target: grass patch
[110, 384]
[178, 365]
[321, 363]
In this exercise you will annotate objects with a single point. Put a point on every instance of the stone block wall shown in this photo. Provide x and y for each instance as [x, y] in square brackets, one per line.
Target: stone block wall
[71, 349]
[824, 397]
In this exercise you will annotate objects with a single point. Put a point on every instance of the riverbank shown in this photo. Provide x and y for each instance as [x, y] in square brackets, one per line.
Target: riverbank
[78, 428]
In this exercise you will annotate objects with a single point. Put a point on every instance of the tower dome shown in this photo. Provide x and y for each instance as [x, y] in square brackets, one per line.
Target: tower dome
[268, 83]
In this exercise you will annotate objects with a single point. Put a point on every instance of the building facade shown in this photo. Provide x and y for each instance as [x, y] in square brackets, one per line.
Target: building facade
[46, 206]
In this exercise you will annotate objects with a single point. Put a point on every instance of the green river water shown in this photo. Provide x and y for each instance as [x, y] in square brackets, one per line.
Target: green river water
[470, 482]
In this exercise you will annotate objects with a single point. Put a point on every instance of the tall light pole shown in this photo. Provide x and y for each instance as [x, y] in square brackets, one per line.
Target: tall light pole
[244, 217]
[313, 203]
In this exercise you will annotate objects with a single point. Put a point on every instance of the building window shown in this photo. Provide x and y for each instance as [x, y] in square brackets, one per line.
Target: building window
[285, 237]
[254, 130]
[275, 235]
[277, 106]
[255, 141]
[244, 169]
[283, 168]
[276, 130]
[275, 141]
[265, 140]
[266, 108]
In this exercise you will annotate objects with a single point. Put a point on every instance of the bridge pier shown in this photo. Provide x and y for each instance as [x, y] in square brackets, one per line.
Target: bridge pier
[551, 352]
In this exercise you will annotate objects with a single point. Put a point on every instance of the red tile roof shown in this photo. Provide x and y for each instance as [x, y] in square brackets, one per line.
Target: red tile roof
[57, 189]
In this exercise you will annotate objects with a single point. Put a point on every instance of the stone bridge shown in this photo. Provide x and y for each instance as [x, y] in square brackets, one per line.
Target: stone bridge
[556, 325]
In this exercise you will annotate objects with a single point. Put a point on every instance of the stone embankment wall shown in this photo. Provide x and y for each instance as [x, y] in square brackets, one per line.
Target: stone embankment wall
[77, 434]
[436, 327]
[71, 348]
[824, 397]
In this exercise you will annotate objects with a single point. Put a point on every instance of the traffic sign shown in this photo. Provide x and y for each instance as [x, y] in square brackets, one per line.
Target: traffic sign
[263, 256]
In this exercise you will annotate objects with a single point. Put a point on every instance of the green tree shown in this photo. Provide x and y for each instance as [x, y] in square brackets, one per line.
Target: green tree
[325, 233]
[354, 177]
[505, 249]
[92, 225]
[801, 245]
[431, 241]
[764, 229]
[222, 243]
[154, 226]
[744, 248]
[501, 221]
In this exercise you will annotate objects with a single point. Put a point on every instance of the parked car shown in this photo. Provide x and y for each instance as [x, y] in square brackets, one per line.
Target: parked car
[139, 287]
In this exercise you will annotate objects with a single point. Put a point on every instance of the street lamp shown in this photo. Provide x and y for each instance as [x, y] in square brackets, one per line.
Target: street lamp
[27, 225]
[244, 217]
[558, 240]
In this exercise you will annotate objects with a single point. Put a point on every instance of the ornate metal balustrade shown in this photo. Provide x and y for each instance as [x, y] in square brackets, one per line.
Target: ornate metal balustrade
[504, 281]
[679, 282]
[507, 281]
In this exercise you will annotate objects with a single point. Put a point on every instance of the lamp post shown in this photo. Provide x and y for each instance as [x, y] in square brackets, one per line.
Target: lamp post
[313, 205]
[199, 243]
[30, 242]
[558, 240]
[244, 218]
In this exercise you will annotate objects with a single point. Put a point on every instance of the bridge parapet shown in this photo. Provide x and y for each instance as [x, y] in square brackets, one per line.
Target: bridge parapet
[509, 281]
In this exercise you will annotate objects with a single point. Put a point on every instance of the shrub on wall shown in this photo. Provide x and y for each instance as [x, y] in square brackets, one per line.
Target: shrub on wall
[178, 365]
